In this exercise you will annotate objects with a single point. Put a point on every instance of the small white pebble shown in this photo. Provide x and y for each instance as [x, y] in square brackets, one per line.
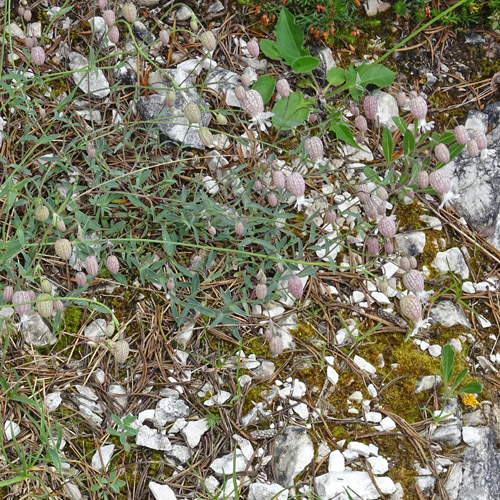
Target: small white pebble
[424, 345]
[468, 287]
[372, 391]
[456, 344]
[435, 351]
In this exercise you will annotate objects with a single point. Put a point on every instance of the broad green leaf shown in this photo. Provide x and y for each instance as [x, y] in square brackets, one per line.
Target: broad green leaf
[472, 388]
[387, 144]
[305, 64]
[265, 87]
[447, 362]
[269, 49]
[336, 76]
[343, 133]
[289, 38]
[408, 142]
[370, 174]
[291, 111]
[375, 74]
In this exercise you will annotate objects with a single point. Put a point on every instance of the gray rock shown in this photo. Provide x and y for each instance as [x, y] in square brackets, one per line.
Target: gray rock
[184, 13]
[448, 314]
[337, 485]
[326, 62]
[223, 82]
[171, 120]
[411, 243]
[96, 329]
[215, 7]
[426, 484]
[427, 383]
[178, 455]
[119, 395]
[102, 457]
[387, 108]
[230, 464]
[86, 78]
[373, 7]
[477, 477]
[161, 491]
[142, 33]
[449, 431]
[152, 439]
[168, 410]
[476, 180]
[264, 491]
[35, 331]
[451, 260]
[294, 451]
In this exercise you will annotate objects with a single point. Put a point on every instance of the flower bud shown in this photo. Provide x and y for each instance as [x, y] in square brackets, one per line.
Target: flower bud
[193, 25]
[353, 109]
[272, 200]
[17, 300]
[129, 12]
[192, 112]
[102, 4]
[245, 79]
[170, 284]
[63, 248]
[283, 88]
[314, 148]
[401, 99]
[413, 280]
[45, 286]
[20, 11]
[361, 123]
[44, 305]
[372, 247]
[114, 35]
[170, 98]
[268, 334]
[38, 56]
[472, 148]
[423, 179]
[257, 185]
[440, 181]
[278, 179]
[276, 345]
[60, 225]
[239, 229]
[208, 40]
[240, 93]
[221, 119]
[112, 264]
[27, 14]
[41, 213]
[8, 293]
[411, 307]
[442, 153]
[370, 107]
[480, 138]
[91, 150]
[295, 184]
[211, 230]
[81, 278]
[295, 287]
[404, 263]
[58, 305]
[109, 17]
[206, 136]
[261, 291]
[91, 265]
[164, 37]
[253, 48]
[418, 108]
[330, 217]
[121, 351]
[386, 227]
[413, 262]
[388, 247]
[252, 103]
[461, 135]
[30, 42]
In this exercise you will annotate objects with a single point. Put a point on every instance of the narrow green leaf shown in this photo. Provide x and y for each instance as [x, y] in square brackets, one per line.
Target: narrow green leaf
[447, 362]
[387, 145]
[400, 123]
[458, 379]
[408, 142]
[265, 87]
